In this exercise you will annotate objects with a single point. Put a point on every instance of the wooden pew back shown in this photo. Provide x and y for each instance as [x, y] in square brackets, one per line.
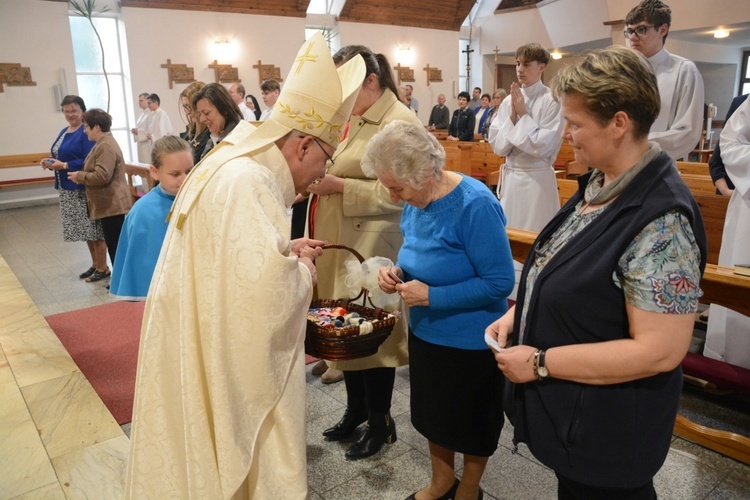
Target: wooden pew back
[699, 184]
[714, 210]
[692, 168]
[566, 188]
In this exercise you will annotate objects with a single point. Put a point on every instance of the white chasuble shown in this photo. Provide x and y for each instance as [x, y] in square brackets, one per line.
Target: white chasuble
[220, 393]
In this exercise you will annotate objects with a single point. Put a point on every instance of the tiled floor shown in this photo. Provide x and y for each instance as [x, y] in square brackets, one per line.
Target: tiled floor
[31, 244]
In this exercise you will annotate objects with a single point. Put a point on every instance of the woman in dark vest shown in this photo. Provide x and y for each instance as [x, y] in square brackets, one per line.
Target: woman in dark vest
[608, 294]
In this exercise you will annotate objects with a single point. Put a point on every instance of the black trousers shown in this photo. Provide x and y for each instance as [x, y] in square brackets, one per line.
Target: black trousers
[370, 390]
[567, 489]
[111, 226]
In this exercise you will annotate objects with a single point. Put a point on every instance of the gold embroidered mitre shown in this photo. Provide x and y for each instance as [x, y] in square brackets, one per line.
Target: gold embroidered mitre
[317, 98]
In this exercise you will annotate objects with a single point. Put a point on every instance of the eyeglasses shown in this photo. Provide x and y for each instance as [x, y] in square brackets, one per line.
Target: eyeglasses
[638, 30]
[330, 158]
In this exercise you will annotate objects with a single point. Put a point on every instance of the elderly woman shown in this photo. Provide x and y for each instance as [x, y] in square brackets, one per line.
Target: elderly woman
[497, 99]
[463, 121]
[481, 113]
[216, 110]
[107, 191]
[354, 209]
[196, 133]
[454, 272]
[608, 294]
[68, 154]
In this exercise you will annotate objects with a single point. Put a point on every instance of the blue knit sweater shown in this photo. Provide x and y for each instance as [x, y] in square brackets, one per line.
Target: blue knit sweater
[457, 245]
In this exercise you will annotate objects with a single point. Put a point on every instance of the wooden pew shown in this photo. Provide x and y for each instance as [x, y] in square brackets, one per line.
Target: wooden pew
[720, 286]
[139, 170]
[714, 210]
[699, 183]
[692, 168]
[566, 188]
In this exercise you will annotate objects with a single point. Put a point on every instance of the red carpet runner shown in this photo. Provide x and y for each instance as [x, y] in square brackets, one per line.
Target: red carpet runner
[103, 341]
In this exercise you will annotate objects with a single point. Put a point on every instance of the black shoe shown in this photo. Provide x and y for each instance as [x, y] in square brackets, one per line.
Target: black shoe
[449, 495]
[346, 426]
[98, 275]
[381, 429]
[87, 273]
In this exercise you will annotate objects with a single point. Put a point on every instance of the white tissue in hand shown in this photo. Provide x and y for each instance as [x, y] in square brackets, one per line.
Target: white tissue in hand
[365, 275]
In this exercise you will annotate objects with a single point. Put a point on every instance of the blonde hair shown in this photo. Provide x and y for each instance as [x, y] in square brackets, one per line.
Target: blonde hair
[195, 127]
[167, 145]
[406, 151]
[611, 80]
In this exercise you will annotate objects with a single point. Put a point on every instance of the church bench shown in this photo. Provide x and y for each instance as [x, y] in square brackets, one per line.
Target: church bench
[26, 182]
[138, 170]
[692, 168]
[714, 210]
[699, 183]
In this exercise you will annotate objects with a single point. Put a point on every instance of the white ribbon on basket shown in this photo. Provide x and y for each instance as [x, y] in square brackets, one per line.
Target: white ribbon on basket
[365, 275]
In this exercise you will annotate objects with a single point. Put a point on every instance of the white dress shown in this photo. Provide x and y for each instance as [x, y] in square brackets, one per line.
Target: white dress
[728, 336]
[678, 127]
[219, 406]
[528, 189]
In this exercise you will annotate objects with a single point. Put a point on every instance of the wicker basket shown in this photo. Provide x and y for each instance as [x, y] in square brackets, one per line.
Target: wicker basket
[344, 343]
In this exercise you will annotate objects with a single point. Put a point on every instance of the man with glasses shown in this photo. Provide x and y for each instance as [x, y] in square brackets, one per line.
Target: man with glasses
[220, 391]
[678, 127]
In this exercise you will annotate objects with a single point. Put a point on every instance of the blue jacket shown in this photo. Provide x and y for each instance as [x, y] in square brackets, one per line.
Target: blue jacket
[74, 150]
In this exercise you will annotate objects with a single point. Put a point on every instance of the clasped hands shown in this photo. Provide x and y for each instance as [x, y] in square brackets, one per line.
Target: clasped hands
[517, 103]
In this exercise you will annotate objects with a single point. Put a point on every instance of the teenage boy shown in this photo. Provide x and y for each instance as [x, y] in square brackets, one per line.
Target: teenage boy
[526, 130]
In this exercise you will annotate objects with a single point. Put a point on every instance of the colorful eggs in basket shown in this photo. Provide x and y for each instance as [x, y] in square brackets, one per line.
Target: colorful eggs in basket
[338, 317]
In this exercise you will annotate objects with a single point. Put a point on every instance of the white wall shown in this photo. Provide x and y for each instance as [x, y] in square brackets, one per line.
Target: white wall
[37, 35]
[434, 47]
[187, 37]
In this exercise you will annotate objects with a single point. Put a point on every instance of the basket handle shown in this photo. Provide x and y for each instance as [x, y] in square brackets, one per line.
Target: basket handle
[361, 259]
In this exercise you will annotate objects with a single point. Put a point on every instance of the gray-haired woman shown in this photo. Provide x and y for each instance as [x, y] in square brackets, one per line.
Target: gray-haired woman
[454, 272]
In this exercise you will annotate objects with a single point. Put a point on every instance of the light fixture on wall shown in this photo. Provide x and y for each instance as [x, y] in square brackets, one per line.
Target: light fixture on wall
[405, 55]
[223, 48]
[556, 55]
[721, 33]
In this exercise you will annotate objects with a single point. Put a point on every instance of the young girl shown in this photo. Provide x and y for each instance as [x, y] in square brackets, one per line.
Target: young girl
[145, 226]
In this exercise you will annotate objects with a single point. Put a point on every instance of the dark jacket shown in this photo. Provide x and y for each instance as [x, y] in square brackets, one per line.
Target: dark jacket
[440, 117]
[462, 125]
[614, 435]
[74, 149]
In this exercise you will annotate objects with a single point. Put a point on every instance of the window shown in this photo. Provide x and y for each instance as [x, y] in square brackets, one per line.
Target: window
[745, 76]
[92, 84]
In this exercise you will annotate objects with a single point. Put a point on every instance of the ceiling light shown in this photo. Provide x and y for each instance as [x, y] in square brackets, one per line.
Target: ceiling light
[556, 55]
[721, 34]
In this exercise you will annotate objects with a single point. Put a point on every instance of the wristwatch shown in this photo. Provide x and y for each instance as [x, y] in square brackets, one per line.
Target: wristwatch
[65, 165]
[541, 370]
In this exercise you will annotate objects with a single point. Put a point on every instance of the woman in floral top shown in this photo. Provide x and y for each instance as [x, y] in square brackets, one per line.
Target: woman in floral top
[608, 294]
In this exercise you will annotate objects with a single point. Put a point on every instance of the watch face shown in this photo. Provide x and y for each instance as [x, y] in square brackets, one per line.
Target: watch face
[543, 372]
